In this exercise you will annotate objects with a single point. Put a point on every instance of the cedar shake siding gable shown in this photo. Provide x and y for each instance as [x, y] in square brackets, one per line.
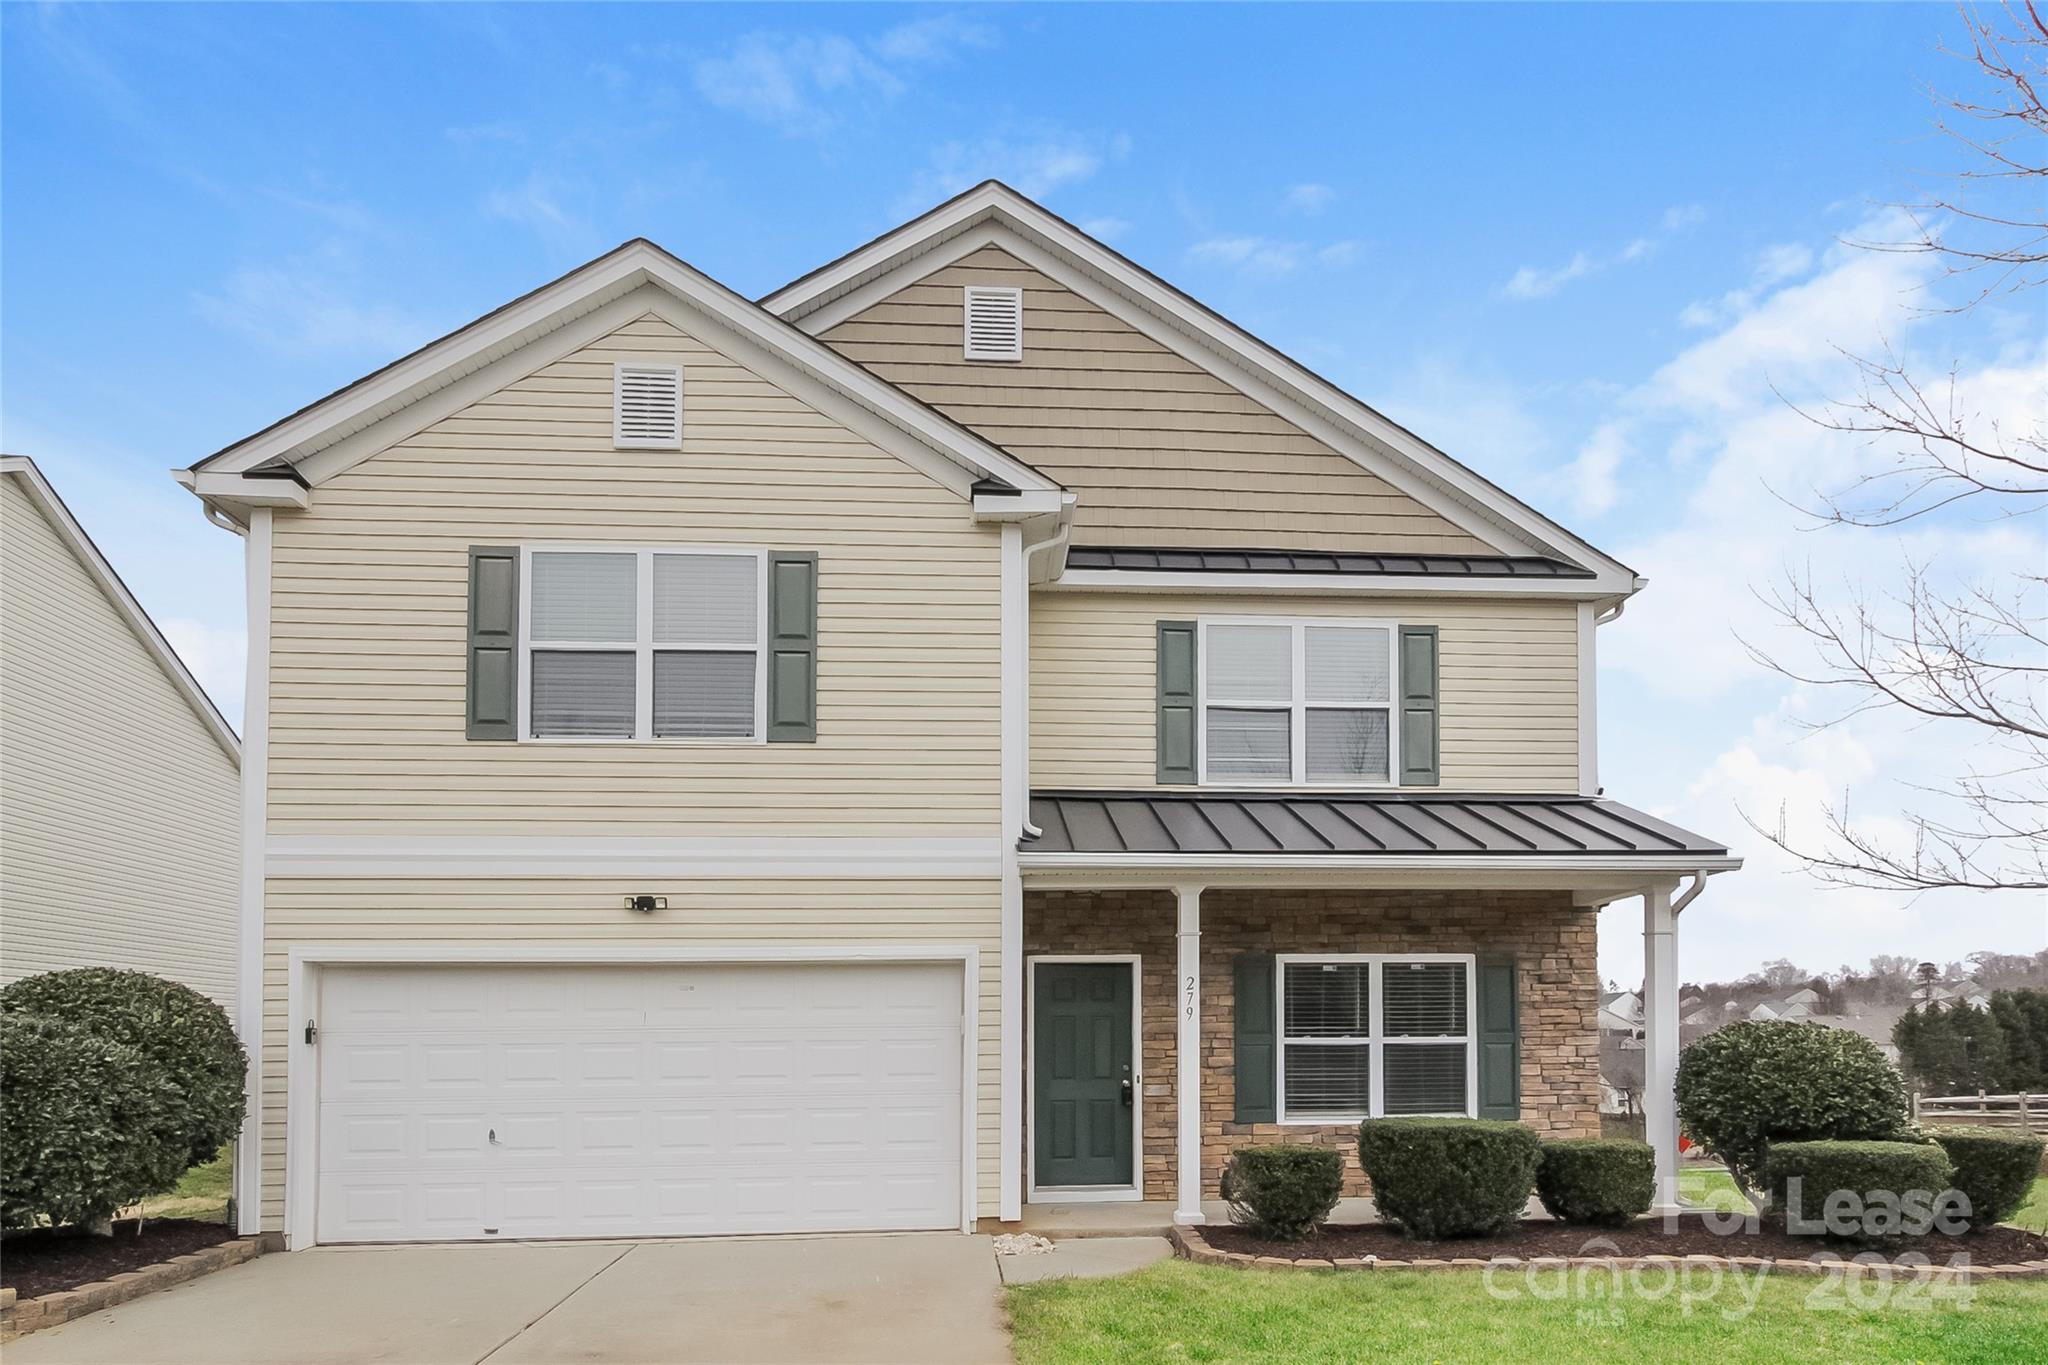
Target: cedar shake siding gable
[1159, 450]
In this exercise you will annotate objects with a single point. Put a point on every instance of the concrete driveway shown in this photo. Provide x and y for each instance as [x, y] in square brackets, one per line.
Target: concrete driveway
[913, 1297]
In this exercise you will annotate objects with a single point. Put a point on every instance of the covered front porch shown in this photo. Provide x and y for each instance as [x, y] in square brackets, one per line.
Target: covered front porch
[1207, 972]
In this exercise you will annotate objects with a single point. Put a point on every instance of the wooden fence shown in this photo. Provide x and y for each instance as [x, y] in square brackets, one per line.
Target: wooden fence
[2028, 1112]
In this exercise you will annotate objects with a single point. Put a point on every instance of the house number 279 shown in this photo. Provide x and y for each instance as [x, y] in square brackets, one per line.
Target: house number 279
[1191, 998]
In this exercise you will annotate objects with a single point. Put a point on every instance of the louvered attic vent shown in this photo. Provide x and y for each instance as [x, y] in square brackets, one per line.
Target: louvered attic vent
[995, 323]
[647, 407]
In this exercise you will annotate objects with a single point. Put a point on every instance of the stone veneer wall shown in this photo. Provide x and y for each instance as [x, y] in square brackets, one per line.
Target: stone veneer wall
[1558, 981]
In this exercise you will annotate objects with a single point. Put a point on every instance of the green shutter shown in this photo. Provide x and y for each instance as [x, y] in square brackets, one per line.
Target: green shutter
[792, 647]
[1255, 1050]
[1500, 1046]
[1419, 729]
[493, 706]
[1176, 728]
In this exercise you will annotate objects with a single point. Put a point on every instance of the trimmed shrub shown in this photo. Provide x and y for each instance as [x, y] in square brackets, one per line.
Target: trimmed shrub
[1605, 1181]
[179, 1032]
[1863, 1192]
[82, 1124]
[1752, 1084]
[1282, 1192]
[1993, 1169]
[1441, 1178]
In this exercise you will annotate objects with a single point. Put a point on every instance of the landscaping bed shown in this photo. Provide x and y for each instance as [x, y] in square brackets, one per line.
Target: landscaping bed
[1691, 1234]
[45, 1260]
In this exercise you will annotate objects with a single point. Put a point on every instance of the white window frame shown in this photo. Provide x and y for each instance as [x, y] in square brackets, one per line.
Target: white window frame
[643, 645]
[1375, 1040]
[1297, 706]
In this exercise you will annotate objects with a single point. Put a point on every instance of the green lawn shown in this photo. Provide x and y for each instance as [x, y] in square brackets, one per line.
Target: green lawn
[1176, 1311]
[1713, 1188]
[202, 1192]
[2034, 1213]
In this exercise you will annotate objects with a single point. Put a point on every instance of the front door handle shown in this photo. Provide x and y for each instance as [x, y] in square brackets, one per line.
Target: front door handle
[1127, 1092]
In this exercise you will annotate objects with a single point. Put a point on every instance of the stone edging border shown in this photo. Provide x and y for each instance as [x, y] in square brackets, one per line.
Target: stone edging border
[1190, 1244]
[19, 1317]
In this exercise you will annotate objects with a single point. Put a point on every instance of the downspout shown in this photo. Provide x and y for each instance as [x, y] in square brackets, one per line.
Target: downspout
[1699, 884]
[1057, 541]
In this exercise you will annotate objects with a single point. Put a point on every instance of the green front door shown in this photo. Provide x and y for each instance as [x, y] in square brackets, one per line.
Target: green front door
[1084, 1086]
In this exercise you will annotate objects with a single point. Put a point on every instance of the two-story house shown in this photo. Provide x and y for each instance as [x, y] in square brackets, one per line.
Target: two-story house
[971, 728]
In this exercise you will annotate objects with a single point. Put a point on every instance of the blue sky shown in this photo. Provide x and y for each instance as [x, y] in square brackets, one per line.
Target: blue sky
[1577, 247]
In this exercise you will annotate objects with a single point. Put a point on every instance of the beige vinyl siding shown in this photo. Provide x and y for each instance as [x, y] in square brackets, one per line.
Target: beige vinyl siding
[1160, 451]
[369, 619]
[1508, 683]
[120, 819]
[963, 913]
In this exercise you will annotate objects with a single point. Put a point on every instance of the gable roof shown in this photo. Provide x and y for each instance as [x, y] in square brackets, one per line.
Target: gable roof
[31, 481]
[994, 213]
[315, 442]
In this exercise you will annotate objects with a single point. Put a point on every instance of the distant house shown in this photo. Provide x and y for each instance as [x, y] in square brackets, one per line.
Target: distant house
[1874, 1022]
[1764, 1010]
[1621, 1012]
[1805, 995]
[120, 836]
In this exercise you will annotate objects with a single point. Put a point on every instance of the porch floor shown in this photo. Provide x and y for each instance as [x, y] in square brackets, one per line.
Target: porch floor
[1148, 1217]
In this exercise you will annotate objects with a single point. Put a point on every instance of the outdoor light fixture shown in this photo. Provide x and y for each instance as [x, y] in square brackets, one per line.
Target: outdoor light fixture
[646, 905]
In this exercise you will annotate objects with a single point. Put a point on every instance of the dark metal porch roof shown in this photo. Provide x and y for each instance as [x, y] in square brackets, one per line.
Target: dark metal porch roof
[1155, 559]
[1402, 824]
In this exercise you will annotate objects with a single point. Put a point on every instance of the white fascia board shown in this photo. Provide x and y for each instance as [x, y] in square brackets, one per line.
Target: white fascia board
[81, 545]
[244, 490]
[1021, 505]
[1324, 585]
[588, 290]
[993, 214]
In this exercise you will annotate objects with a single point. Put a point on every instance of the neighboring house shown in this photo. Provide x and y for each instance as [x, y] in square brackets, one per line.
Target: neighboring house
[120, 814]
[1621, 1012]
[1874, 1022]
[1805, 995]
[974, 727]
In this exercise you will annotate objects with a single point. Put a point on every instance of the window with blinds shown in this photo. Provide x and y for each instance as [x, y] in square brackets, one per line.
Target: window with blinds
[1365, 1036]
[1297, 702]
[643, 644]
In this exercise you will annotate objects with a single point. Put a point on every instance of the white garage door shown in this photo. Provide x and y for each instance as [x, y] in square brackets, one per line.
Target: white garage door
[499, 1102]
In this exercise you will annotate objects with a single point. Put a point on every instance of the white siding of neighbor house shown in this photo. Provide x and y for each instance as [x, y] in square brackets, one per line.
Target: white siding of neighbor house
[1508, 686]
[120, 817]
[368, 674]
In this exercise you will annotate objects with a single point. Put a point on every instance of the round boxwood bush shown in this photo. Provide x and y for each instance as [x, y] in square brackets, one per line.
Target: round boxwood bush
[183, 1035]
[82, 1124]
[1868, 1193]
[1285, 1192]
[1752, 1084]
[1441, 1178]
[1603, 1181]
[1993, 1169]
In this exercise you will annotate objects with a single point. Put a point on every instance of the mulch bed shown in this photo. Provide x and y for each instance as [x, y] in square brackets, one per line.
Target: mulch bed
[45, 1260]
[1691, 1235]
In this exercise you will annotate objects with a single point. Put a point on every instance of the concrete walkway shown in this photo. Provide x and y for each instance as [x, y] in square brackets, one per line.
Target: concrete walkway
[1085, 1258]
[910, 1298]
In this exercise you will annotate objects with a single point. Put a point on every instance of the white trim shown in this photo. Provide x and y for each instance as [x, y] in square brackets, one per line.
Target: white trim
[1376, 1039]
[1086, 1194]
[582, 291]
[1589, 705]
[1187, 1035]
[1660, 1039]
[643, 646]
[249, 936]
[1297, 706]
[305, 962]
[993, 213]
[484, 858]
[45, 500]
[620, 440]
[1323, 585]
[1014, 806]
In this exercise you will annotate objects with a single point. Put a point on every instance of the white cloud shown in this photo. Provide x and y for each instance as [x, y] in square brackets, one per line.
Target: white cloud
[799, 82]
[310, 306]
[1308, 198]
[1595, 485]
[1543, 282]
[1773, 265]
[1106, 229]
[1034, 161]
[1271, 255]
[538, 203]
[218, 656]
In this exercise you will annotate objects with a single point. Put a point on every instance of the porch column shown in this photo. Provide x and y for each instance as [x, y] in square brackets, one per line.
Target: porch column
[1660, 1040]
[1188, 1054]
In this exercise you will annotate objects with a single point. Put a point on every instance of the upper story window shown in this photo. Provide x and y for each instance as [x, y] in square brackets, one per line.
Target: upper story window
[1369, 1036]
[1297, 702]
[643, 644]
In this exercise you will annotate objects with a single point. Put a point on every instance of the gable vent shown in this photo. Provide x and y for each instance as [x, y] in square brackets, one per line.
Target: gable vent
[647, 407]
[995, 323]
